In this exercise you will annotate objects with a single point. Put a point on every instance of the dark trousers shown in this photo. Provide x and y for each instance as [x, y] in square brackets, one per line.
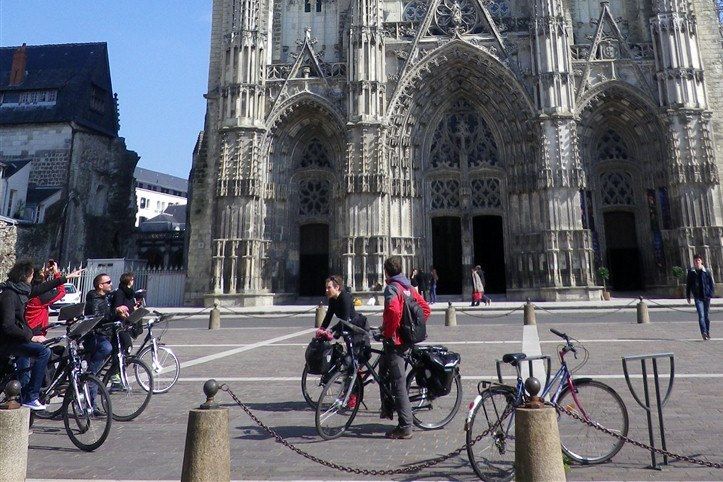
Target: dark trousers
[391, 366]
[98, 348]
[37, 354]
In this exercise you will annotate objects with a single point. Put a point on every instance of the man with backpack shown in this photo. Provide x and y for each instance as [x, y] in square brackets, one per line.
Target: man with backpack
[404, 323]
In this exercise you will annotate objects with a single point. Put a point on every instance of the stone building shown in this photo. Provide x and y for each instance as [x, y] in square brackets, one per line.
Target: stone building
[58, 114]
[541, 139]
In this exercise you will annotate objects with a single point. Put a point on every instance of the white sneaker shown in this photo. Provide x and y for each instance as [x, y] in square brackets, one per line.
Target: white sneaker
[35, 405]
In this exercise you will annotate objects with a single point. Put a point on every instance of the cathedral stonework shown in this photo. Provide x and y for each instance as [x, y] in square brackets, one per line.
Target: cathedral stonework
[541, 139]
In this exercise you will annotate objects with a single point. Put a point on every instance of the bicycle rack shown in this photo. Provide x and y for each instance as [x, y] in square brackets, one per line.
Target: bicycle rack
[529, 361]
[660, 403]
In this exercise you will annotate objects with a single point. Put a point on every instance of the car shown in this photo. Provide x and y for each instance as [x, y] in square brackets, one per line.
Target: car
[72, 297]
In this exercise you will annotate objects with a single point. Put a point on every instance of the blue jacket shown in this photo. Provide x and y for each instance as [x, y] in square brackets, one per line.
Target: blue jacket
[693, 284]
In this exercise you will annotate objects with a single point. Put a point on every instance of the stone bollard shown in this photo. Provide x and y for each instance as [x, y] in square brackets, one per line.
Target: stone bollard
[14, 424]
[320, 314]
[529, 317]
[207, 456]
[643, 315]
[450, 315]
[214, 321]
[537, 440]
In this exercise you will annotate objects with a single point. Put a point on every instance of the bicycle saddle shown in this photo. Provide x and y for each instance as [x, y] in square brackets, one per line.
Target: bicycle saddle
[513, 358]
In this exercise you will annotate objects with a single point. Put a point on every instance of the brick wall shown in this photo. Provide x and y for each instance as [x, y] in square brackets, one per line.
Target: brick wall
[48, 146]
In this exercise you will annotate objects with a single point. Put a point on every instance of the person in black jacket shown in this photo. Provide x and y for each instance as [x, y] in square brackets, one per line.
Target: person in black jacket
[16, 337]
[700, 285]
[341, 303]
[99, 302]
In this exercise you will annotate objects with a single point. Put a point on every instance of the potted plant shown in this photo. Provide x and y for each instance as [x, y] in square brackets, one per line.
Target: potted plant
[679, 275]
[604, 274]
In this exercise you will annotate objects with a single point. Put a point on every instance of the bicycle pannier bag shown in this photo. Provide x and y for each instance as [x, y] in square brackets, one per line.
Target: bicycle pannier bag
[440, 366]
[319, 356]
[413, 328]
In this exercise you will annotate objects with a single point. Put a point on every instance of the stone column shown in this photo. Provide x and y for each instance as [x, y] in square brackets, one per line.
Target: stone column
[552, 255]
[366, 226]
[692, 170]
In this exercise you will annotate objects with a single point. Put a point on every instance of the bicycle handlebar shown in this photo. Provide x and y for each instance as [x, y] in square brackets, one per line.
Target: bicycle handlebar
[561, 335]
[569, 346]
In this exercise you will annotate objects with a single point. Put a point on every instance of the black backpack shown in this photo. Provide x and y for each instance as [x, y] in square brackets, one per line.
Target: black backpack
[413, 328]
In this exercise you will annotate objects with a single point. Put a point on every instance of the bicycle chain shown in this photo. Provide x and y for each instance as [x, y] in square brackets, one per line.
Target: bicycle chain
[595, 425]
[353, 470]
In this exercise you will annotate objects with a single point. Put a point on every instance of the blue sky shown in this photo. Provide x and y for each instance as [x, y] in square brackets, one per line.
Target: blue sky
[158, 51]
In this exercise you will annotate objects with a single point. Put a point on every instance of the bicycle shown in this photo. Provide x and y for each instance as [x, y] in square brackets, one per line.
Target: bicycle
[313, 384]
[130, 394]
[593, 400]
[86, 406]
[335, 413]
[158, 357]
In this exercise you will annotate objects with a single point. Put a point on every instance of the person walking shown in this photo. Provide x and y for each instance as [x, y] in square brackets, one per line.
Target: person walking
[478, 286]
[433, 279]
[699, 284]
[391, 365]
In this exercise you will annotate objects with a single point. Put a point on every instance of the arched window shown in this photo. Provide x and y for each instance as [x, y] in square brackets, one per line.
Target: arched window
[315, 155]
[314, 197]
[462, 132]
[617, 189]
[612, 147]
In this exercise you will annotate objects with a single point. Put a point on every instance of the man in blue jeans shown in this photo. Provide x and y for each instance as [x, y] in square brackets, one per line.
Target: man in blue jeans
[699, 283]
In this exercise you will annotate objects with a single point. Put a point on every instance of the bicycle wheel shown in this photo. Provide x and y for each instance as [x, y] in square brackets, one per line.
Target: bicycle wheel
[87, 417]
[599, 403]
[333, 414]
[429, 412]
[131, 398]
[492, 456]
[165, 368]
[311, 386]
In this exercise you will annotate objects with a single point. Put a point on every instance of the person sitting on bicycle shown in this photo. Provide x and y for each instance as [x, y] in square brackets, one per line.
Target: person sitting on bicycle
[391, 365]
[125, 296]
[16, 337]
[98, 302]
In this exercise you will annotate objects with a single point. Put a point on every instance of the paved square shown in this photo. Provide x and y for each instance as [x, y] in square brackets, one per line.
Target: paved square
[261, 360]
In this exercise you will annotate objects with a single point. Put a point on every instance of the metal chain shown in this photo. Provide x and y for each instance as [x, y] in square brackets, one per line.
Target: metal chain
[188, 315]
[354, 470]
[246, 315]
[690, 310]
[605, 311]
[626, 439]
[489, 317]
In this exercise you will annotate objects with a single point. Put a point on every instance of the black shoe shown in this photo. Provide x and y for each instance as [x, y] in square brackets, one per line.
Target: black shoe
[386, 413]
[400, 433]
[706, 336]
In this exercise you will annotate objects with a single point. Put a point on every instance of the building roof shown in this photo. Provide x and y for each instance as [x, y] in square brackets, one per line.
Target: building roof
[178, 211]
[153, 178]
[12, 167]
[37, 195]
[78, 72]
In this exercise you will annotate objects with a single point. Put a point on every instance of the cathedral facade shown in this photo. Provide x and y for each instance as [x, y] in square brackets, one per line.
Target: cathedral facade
[541, 139]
